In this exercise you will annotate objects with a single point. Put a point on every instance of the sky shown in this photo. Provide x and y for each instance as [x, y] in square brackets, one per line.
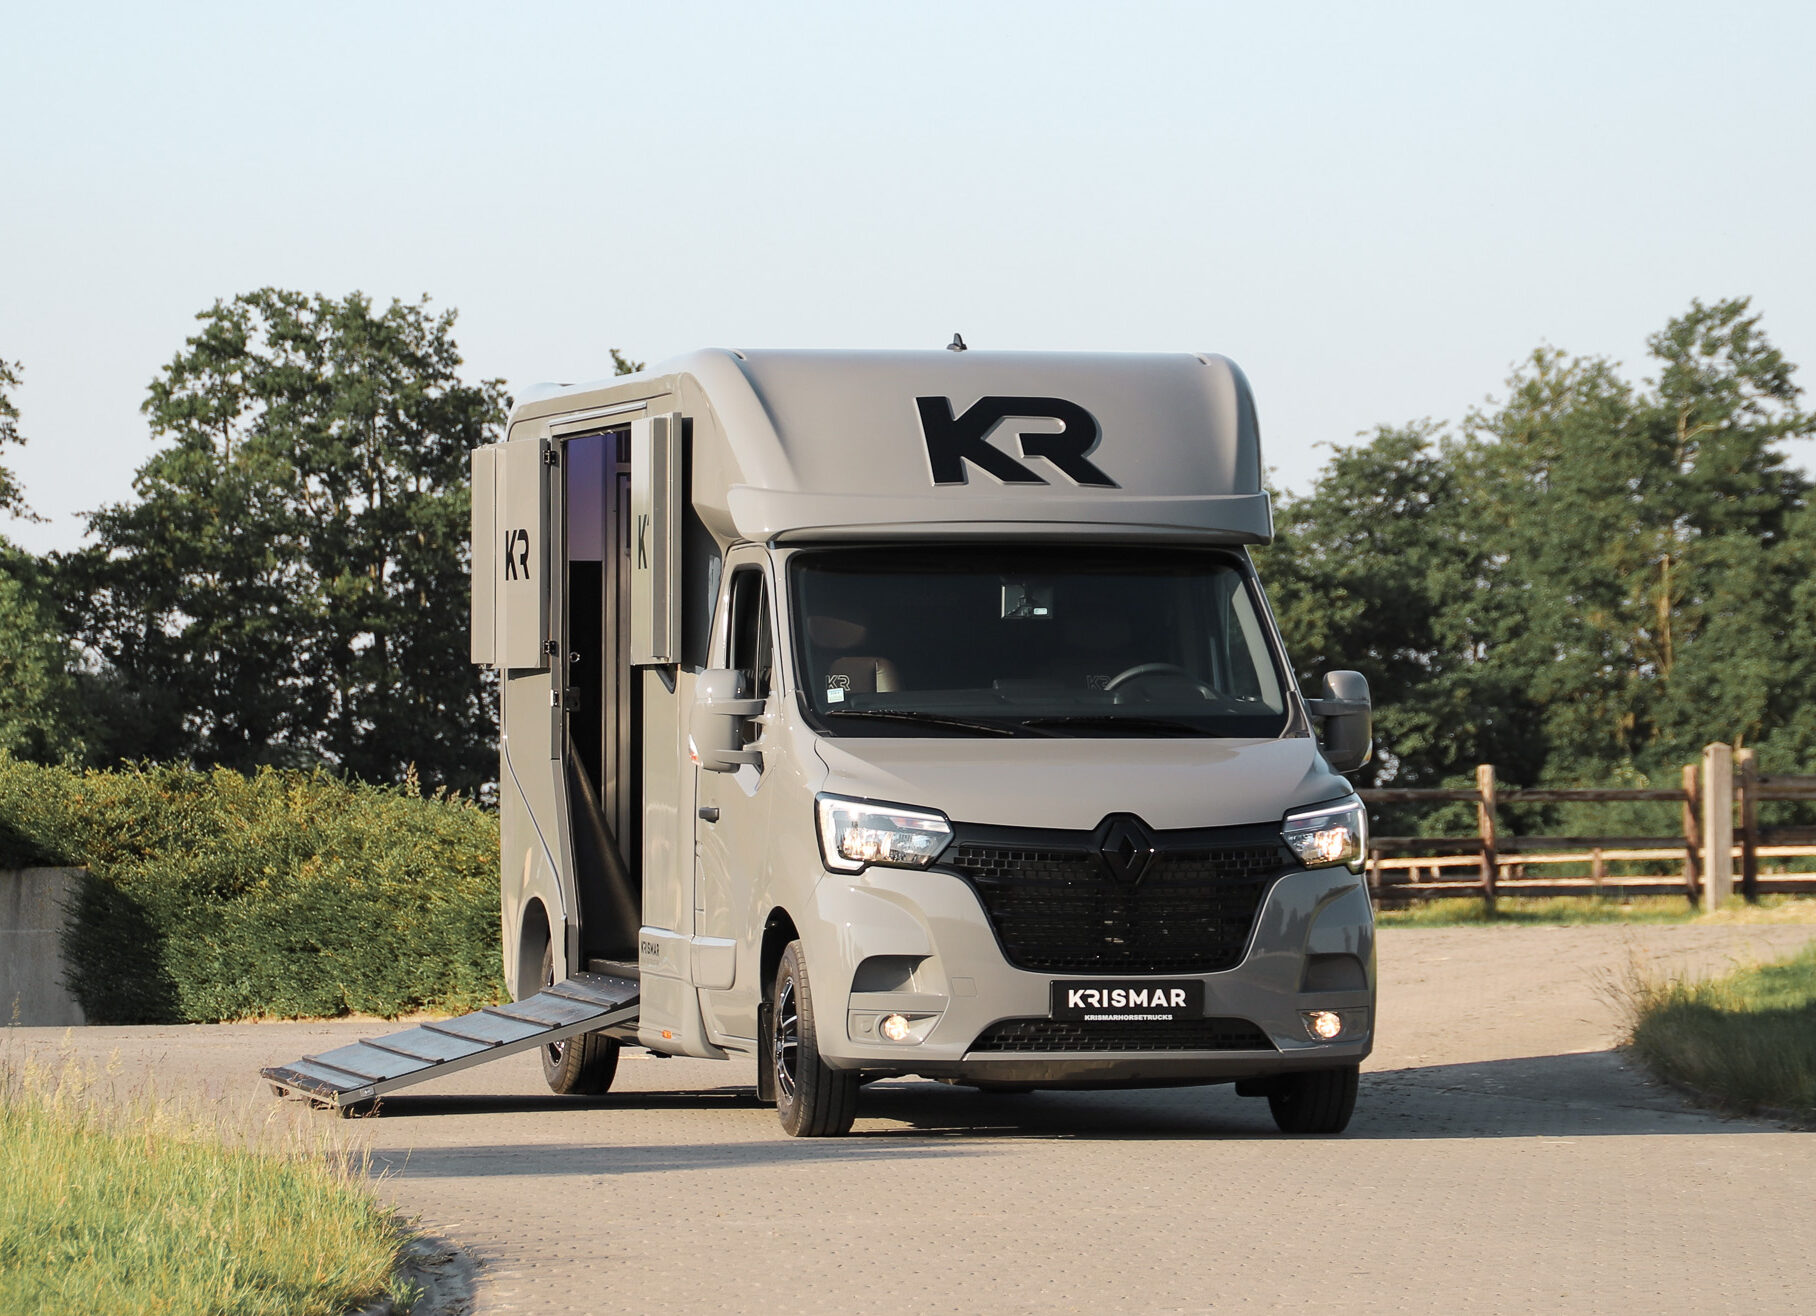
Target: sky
[1377, 210]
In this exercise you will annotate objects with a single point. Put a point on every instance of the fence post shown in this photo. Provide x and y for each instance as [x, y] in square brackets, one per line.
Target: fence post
[1485, 825]
[1598, 869]
[1746, 784]
[1718, 825]
[1692, 834]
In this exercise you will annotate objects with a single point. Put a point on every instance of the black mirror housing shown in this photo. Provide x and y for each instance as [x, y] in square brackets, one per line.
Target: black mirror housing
[1349, 722]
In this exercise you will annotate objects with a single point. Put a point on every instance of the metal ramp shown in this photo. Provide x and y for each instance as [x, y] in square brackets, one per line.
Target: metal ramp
[371, 1067]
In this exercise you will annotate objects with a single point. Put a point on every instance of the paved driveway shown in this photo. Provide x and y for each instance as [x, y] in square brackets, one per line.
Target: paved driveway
[1501, 1159]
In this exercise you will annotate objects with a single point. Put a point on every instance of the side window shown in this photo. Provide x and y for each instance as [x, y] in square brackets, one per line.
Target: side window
[751, 643]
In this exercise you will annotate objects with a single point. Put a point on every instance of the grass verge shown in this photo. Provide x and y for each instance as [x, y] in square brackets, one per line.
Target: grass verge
[1746, 1041]
[146, 1209]
[1465, 911]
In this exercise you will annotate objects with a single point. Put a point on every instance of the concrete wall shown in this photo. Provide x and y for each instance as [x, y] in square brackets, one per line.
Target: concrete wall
[32, 915]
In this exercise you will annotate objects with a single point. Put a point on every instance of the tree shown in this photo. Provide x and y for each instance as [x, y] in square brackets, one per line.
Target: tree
[1382, 569]
[12, 497]
[1592, 581]
[290, 579]
[40, 715]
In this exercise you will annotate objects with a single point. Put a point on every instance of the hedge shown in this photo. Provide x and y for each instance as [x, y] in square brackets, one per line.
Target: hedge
[214, 895]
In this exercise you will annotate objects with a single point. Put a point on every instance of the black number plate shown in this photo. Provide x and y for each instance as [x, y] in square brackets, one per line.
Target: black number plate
[1112, 1000]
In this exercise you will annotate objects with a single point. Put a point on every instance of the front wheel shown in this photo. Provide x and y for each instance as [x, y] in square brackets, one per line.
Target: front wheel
[1314, 1100]
[813, 1099]
[582, 1066]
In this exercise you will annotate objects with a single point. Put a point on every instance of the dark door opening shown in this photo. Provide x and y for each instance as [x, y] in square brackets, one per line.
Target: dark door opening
[599, 697]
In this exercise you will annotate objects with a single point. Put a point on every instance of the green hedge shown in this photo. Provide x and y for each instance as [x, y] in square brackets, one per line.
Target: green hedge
[213, 895]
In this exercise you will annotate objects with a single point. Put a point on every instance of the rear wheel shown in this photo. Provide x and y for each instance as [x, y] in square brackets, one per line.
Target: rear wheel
[579, 1066]
[1314, 1100]
[813, 1099]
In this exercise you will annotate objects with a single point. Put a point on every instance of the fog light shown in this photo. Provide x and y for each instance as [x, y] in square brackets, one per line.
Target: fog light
[1323, 1024]
[895, 1027]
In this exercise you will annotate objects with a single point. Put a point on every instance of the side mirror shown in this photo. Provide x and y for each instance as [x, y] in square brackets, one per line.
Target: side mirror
[715, 728]
[1349, 720]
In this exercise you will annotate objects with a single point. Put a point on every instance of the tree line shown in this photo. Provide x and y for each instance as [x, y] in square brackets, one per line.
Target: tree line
[1585, 579]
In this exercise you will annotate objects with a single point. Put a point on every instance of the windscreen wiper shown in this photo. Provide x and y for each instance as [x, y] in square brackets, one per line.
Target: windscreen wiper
[1110, 722]
[926, 719]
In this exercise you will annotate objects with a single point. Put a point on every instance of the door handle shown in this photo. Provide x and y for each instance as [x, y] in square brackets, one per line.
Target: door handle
[708, 813]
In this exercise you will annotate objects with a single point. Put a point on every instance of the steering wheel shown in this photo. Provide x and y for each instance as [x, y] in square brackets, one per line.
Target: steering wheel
[1143, 671]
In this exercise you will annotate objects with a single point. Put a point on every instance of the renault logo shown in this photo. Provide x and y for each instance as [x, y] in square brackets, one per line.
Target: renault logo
[1126, 847]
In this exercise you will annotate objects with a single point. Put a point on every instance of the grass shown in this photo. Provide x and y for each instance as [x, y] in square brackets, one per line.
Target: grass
[146, 1208]
[1746, 1041]
[1467, 911]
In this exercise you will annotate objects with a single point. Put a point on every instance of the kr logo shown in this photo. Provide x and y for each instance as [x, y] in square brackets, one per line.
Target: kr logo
[954, 440]
[517, 555]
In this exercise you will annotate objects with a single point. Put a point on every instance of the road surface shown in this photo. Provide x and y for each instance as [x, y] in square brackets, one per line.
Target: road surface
[1502, 1158]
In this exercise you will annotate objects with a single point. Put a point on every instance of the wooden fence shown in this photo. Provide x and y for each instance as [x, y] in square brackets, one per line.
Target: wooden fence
[1720, 839]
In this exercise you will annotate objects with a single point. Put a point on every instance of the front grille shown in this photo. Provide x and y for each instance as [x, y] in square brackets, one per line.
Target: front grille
[1110, 1035]
[1057, 906]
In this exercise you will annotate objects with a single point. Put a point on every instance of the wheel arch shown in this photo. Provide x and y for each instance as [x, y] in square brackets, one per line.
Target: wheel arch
[534, 931]
[778, 930]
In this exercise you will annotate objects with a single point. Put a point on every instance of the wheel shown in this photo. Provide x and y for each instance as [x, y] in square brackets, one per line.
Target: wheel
[1147, 671]
[1314, 1100]
[580, 1066]
[813, 1099]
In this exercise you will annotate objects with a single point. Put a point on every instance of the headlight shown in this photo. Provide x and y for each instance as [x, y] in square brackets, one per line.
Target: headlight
[854, 833]
[1329, 834]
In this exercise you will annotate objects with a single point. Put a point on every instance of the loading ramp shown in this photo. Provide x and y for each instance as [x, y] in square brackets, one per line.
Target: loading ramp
[371, 1067]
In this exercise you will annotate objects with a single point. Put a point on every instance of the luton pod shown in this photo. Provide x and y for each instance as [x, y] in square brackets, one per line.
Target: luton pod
[869, 714]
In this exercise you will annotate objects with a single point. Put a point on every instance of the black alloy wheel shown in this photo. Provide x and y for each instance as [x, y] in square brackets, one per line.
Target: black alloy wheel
[813, 1099]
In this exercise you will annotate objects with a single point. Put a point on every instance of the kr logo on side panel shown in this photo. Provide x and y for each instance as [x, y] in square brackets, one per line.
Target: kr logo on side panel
[517, 555]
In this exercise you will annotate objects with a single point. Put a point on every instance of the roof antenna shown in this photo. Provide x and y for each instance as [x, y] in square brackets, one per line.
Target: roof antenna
[956, 345]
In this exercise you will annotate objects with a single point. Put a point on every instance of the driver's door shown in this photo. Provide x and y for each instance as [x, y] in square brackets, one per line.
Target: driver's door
[733, 815]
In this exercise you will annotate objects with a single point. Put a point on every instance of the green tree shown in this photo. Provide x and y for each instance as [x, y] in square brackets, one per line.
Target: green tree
[290, 579]
[12, 497]
[1592, 581]
[1382, 568]
[1647, 530]
[40, 713]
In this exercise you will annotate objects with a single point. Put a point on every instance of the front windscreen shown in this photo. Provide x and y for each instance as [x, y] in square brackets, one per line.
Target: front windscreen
[970, 639]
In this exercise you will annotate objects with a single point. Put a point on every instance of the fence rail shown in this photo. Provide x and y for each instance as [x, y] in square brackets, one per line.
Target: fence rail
[1720, 838]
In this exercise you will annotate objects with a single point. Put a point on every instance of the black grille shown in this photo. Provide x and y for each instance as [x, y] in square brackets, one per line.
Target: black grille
[1057, 906]
[1108, 1035]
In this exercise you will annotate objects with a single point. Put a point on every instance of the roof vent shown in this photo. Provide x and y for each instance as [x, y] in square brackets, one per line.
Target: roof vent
[956, 345]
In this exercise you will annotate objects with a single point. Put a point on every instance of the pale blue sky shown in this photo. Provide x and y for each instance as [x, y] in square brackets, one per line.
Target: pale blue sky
[1375, 209]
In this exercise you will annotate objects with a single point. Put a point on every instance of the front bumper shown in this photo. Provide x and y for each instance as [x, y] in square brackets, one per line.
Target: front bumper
[943, 970]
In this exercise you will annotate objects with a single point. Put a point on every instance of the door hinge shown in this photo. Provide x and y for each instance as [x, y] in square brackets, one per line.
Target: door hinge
[551, 456]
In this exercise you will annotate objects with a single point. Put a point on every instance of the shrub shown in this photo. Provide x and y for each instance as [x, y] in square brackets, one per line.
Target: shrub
[214, 895]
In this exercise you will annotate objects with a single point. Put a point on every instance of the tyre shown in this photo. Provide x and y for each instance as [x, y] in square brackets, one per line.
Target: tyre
[1314, 1100]
[581, 1066]
[813, 1099]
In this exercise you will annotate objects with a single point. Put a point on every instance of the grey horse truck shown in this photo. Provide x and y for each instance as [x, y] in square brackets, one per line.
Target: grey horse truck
[869, 714]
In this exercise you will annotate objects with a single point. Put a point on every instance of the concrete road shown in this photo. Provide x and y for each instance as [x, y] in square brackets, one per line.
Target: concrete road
[1501, 1159]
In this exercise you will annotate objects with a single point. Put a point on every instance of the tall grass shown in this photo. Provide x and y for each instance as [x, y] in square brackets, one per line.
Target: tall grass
[144, 1207]
[1747, 1040]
